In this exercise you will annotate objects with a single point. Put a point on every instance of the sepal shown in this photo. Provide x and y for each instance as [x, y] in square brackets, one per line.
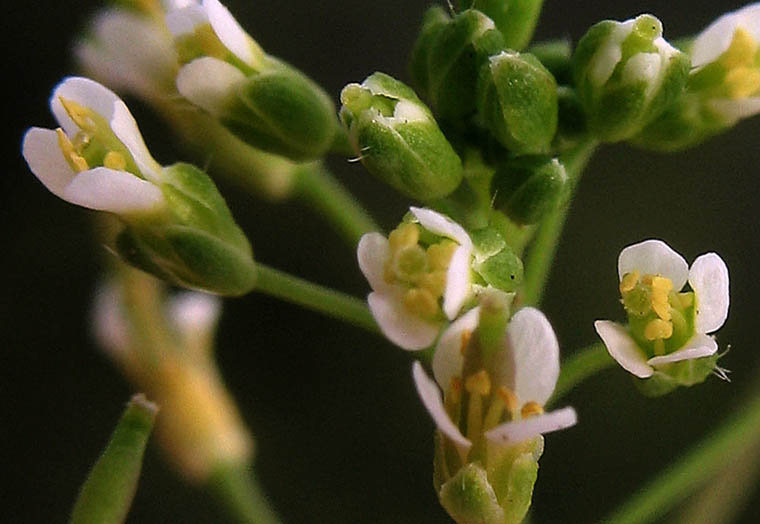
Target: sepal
[528, 188]
[515, 19]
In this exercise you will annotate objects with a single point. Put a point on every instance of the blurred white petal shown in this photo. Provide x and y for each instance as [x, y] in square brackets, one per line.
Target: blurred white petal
[654, 257]
[520, 430]
[708, 278]
[401, 327]
[448, 359]
[623, 348]
[119, 192]
[45, 158]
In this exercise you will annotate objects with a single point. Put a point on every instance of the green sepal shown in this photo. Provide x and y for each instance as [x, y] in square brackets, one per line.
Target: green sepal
[433, 22]
[513, 471]
[619, 105]
[282, 111]
[469, 498]
[557, 57]
[106, 495]
[686, 373]
[517, 102]
[515, 19]
[398, 140]
[196, 242]
[454, 61]
[528, 188]
[494, 261]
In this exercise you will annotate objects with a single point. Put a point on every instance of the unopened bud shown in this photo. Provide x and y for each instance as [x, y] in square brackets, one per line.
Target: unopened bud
[528, 188]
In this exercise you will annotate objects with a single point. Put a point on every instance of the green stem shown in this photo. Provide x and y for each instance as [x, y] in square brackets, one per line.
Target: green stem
[578, 367]
[737, 434]
[320, 190]
[239, 492]
[315, 297]
[544, 246]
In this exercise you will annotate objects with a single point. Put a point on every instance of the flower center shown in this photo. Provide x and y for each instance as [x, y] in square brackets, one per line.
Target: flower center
[660, 318]
[740, 62]
[421, 270]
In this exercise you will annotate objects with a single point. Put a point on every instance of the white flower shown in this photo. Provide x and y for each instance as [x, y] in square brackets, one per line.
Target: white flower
[732, 42]
[98, 159]
[208, 81]
[414, 290]
[516, 387]
[130, 53]
[666, 325]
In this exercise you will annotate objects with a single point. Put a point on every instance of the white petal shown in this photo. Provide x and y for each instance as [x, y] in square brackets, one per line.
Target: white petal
[654, 257]
[183, 21]
[86, 93]
[733, 110]
[457, 282]
[169, 5]
[125, 128]
[750, 19]
[698, 346]
[623, 348]
[519, 430]
[714, 40]
[403, 328]
[229, 31]
[372, 253]
[530, 364]
[193, 312]
[448, 359]
[43, 154]
[208, 83]
[431, 398]
[441, 225]
[115, 191]
[109, 326]
[708, 278]
[641, 67]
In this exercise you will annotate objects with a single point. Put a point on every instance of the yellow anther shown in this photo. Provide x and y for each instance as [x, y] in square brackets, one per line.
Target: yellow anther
[114, 160]
[465, 342]
[478, 383]
[661, 284]
[742, 82]
[453, 399]
[405, 235]
[70, 154]
[511, 402]
[661, 287]
[659, 347]
[439, 255]
[629, 281]
[658, 329]
[82, 116]
[455, 388]
[741, 52]
[647, 280]
[435, 282]
[531, 409]
[421, 302]
[409, 263]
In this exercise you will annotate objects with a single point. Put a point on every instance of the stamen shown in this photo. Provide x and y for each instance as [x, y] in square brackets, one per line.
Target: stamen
[661, 287]
[629, 281]
[453, 399]
[465, 342]
[659, 347]
[494, 413]
[405, 235]
[511, 402]
[81, 115]
[114, 160]
[531, 409]
[741, 52]
[435, 282]
[658, 329]
[421, 302]
[74, 159]
[439, 255]
[478, 385]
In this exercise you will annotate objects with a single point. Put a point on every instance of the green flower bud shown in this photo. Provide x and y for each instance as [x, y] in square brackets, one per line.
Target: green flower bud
[495, 262]
[627, 75]
[517, 100]
[434, 21]
[457, 50]
[528, 188]
[398, 140]
[557, 57]
[516, 19]
[196, 242]
[499, 493]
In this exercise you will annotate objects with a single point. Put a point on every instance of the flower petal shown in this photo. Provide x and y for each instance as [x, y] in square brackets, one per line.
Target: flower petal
[448, 359]
[401, 327]
[119, 192]
[714, 40]
[431, 398]
[530, 364]
[184, 20]
[623, 348]
[84, 92]
[125, 128]
[208, 83]
[442, 225]
[520, 430]
[654, 257]
[457, 282]
[194, 313]
[229, 31]
[43, 154]
[733, 110]
[372, 253]
[708, 278]
[108, 322]
[698, 346]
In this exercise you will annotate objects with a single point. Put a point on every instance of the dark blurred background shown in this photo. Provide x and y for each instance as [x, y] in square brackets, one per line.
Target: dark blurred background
[341, 435]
